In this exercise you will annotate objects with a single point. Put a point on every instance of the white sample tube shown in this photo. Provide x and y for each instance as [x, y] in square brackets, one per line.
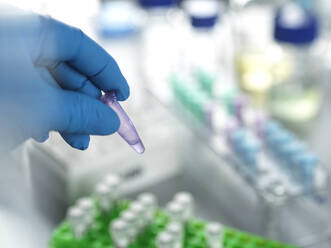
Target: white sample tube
[138, 209]
[113, 181]
[166, 240]
[176, 230]
[129, 217]
[103, 193]
[87, 205]
[75, 217]
[187, 201]
[214, 235]
[176, 212]
[149, 202]
[119, 230]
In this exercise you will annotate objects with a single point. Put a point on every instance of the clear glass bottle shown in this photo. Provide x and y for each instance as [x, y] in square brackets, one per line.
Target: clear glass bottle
[158, 45]
[202, 48]
[296, 99]
[258, 63]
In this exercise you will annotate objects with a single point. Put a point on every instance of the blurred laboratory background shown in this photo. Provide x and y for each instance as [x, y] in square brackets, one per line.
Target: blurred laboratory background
[232, 101]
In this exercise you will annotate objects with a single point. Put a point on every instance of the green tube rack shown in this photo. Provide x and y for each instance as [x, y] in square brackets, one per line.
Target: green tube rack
[194, 233]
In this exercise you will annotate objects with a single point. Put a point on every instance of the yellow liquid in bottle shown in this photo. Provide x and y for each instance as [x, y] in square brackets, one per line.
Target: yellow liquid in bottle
[295, 106]
[257, 72]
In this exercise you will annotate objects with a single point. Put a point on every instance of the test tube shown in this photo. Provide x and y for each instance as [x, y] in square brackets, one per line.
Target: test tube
[166, 240]
[119, 231]
[187, 201]
[113, 182]
[75, 217]
[214, 235]
[129, 217]
[126, 130]
[102, 192]
[87, 205]
[149, 202]
[138, 209]
[176, 212]
[176, 230]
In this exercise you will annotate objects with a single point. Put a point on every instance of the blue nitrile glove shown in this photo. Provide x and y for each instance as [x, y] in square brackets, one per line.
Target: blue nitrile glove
[51, 76]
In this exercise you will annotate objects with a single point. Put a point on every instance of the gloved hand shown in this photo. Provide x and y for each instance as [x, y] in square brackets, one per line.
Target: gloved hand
[51, 77]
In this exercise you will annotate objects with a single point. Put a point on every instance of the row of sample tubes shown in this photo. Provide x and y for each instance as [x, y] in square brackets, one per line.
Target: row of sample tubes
[180, 210]
[291, 154]
[195, 100]
[81, 215]
[213, 110]
[287, 152]
[133, 220]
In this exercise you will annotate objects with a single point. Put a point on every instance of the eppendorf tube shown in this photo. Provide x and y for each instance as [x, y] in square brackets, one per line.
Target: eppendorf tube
[126, 130]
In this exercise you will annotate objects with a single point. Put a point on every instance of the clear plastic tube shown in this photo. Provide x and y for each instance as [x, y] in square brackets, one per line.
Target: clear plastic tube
[186, 200]
[87, 205]
[214, 235]
[120, 232]
[75, 217]
[126, 130]
[166, 240]
[149, 202]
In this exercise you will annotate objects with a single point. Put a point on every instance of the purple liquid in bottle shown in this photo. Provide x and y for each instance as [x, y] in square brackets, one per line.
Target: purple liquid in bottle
[126, 130]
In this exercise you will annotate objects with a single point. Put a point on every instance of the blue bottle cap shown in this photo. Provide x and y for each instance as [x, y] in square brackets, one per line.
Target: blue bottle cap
[203, 13]
[156, 3]
[295, 25]
[203, 22]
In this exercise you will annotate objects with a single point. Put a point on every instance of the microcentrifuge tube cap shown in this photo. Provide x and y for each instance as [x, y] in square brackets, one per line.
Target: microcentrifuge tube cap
[128, 216]
[185, 198]
[165, 239]
[75, 213]
[119, 225]
[85, 203]
[126, 130]
[112, 180]
[137, 208]
[175, 229]
[147, 199]
[101, 189]
[214, 228]
[176, 211]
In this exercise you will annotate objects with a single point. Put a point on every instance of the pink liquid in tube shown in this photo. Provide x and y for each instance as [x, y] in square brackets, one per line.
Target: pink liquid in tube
[126, 130]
